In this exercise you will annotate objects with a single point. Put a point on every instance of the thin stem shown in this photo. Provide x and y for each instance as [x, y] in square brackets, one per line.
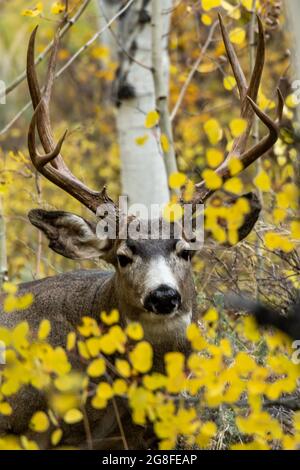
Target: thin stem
[69, 23]
[70, 61]
[193, 71]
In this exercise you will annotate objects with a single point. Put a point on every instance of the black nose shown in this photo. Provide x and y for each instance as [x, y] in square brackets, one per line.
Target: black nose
[163, 300]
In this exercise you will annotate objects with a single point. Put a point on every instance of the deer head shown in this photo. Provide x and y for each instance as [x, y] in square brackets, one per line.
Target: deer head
[153, 275]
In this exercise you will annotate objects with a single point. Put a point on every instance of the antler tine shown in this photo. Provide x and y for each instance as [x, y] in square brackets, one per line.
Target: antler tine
[234, 61]
[39, 160]
[249, 109]
[51, 164]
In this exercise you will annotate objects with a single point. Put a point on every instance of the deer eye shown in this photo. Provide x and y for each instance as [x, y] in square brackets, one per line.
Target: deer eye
[124, 260]
[185, 254]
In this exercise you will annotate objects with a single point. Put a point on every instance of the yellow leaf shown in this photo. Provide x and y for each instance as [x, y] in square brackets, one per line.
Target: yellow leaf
[9, 288]
[123, 367]
[96, 368]
[56, 437]
[135, 331]
[235, 166]
[262, 181]
[165, 145]
[237, 35]
[209, 4]
[238, 126]
[213, 131]
[229, 82]
[36, 11]
[274, 241]
[104, 391]
[44, 329]
[206, 19]
[71, 340]
[152, 119]
[212, 179]
[292, 101]
[5, 409]
[176, 180]
[295, 229]
[172, 212]
[73, 416]
[141, 357]
[110, 319]
[234, 185]
[141, 140]
[214, 157]
[119, 387]
[57, 8]
[39, 422]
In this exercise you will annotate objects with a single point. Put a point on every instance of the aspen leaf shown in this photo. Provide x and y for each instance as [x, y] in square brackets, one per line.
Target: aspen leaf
[212, 179]
[295, 229]
[36, 11]
[110, 318]
[176, 180]
[292, 101]
[234, 185]
[152, 119]
[229, 82]
[73, 416]
[141, 357]
[237, 35]
[135, 331]
[105, 391]
[235, 166]
[96, 368]
[5, 409]
[120, 387]
[206, 19]
[213, 131]
[141, 140]
[214, 157]
[56, 437]
[44, 329]
[57, 8]
[209, 4]
[238, 126]
[172, 212]
[123, 367]
[39, 422]
[262, 181]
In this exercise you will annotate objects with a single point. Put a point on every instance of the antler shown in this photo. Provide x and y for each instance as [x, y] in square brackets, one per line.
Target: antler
[51, 164]
[248, 96]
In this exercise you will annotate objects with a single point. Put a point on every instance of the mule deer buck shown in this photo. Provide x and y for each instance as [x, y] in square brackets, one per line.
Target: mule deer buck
[152, 280]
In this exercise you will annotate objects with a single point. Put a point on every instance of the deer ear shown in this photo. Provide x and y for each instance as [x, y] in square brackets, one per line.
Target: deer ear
[69, 235]
[251, 217]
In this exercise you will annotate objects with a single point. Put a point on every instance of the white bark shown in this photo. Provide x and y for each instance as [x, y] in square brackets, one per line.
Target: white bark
[143, 175]
[3, 256]
[160, 24]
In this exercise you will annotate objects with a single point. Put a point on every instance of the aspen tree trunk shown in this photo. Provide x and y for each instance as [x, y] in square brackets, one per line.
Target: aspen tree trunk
[143, 167]
[293, 17]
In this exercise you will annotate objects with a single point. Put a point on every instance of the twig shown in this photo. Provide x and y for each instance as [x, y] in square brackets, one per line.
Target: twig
[116, 410]
[69, 23]
[70, 61]
[193, 71]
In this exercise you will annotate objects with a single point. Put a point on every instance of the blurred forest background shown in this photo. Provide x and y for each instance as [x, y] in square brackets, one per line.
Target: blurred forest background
[84, 102]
